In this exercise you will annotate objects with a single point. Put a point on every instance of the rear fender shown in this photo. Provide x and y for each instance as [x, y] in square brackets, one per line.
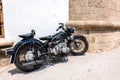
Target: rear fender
[80, 36]
[20, 44]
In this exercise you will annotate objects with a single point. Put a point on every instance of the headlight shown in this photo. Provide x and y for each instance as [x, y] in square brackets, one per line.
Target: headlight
[74, 28]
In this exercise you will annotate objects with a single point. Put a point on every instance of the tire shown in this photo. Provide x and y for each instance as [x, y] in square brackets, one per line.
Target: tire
[77, 51]
[21, 57]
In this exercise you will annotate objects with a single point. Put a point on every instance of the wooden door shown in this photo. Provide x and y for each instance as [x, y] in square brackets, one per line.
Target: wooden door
[1, 21]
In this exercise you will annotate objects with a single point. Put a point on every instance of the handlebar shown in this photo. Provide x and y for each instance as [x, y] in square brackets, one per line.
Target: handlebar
[61, 26]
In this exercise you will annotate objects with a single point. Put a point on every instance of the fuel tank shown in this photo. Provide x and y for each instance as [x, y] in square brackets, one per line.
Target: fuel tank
[59, 36]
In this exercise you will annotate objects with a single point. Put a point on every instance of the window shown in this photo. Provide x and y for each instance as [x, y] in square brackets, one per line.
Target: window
[1, 21]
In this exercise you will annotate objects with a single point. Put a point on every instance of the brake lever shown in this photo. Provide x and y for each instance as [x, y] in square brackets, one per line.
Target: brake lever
[61, 26]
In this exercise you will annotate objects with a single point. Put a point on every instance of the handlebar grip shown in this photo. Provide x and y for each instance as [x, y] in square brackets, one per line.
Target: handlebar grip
[61, 24]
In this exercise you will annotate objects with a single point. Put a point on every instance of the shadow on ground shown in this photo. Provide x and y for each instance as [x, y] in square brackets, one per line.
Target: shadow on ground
[17, 71]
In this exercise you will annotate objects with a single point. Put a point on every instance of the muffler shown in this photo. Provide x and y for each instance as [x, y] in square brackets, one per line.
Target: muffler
[9, 51]
[32, 63]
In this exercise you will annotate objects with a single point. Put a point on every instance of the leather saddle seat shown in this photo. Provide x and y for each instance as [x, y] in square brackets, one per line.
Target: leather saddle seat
[29, 35]
[26, 35]
[46, 38]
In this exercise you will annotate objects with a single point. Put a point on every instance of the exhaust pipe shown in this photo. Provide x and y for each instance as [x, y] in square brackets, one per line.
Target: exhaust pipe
[32, 63]
[9, 51]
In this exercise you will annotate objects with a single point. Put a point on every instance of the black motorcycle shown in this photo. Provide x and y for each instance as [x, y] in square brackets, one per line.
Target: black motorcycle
[30, 54]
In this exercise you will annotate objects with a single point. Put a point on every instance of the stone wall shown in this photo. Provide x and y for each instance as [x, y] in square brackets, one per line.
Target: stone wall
[98, 10]
[4, 60]
[100, 41]
[98, 20]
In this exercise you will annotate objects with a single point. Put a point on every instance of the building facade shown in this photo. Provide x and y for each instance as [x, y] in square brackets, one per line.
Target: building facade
[21, 16]
[98, 20]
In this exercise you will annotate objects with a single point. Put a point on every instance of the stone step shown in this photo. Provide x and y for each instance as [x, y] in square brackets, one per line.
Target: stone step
[94, 25]
[5, 44]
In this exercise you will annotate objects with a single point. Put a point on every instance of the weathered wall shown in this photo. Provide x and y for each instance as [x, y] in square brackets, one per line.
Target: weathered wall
[98, 20]
[20, 16]
[98, 10]
[100, 40]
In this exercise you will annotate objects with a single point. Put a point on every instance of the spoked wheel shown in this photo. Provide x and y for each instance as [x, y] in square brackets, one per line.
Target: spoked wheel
[79, 46]
[28, 57]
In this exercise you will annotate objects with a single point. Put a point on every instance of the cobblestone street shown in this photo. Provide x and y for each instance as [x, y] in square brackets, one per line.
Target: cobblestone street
[95, 66]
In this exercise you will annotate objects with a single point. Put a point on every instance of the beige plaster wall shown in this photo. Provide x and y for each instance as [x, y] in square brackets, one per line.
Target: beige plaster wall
[98, 10]
[98, 20]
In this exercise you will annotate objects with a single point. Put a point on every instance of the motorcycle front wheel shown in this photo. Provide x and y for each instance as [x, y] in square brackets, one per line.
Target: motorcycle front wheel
[25, 59]
[79, 45]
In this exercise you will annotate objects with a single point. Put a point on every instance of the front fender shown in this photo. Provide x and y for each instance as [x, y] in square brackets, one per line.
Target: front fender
[20, 44]
[80, 36]
[76, 36]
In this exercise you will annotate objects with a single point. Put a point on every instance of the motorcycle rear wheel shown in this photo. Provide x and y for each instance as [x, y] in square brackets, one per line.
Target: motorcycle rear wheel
[29, 65]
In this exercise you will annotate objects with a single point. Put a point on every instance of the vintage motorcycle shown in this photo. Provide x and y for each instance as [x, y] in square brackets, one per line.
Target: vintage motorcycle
[30, 54]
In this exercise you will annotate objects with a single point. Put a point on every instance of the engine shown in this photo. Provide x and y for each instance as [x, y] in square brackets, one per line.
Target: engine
[60, 48]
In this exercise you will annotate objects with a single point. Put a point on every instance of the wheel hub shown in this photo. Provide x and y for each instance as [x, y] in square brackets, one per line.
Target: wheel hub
[79, 46]
[29, 56]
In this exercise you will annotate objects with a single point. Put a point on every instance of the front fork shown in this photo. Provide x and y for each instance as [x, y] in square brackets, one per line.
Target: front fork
[72, 39]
